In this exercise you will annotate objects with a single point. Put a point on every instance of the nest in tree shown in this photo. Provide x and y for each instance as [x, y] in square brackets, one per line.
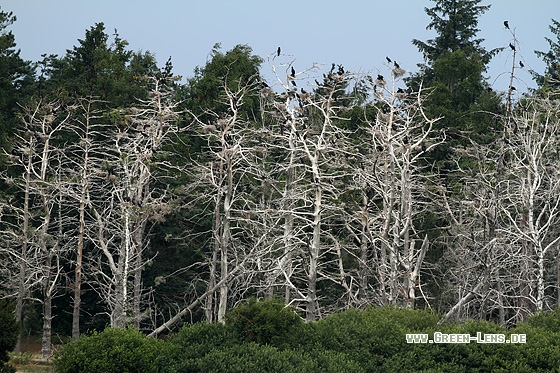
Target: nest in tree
[398, 72]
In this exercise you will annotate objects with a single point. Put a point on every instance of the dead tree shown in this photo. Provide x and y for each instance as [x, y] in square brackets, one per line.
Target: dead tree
[531, 191]
[309, 131]
[222, 175]
[125, 201]
[82, 161]
[394, 196]
[36, 225]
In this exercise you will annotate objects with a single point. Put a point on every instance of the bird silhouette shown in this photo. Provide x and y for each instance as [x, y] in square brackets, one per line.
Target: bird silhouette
[506, 24]
[388, 59]
[512, 47]
[278, 51]
[521, 64]
[293, 72]
[396, 65]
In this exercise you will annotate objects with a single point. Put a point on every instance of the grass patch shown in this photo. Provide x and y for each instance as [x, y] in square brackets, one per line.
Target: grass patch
[27, 362]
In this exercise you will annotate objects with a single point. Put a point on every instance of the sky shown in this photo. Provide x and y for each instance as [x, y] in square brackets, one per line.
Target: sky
[355, 33]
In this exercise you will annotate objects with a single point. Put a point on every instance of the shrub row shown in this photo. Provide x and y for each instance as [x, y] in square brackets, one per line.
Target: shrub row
[267, 337]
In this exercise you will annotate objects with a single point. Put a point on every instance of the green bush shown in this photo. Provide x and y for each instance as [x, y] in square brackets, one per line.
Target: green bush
[368, 337]
[9, 331]
[255, 358]
[196, 341]
[267, 322]
[118, 351]
[259, 336]
[547, 320]
[541, 352]
[264, 337]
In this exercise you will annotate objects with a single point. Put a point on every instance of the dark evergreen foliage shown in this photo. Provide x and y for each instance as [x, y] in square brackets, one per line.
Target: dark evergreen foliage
[455, 62]
[116, 350]
[9, 333]
[550, 80]
[16, 81]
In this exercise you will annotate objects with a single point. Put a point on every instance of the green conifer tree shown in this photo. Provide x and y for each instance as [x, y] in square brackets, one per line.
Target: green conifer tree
[551, 77]
[453, 68]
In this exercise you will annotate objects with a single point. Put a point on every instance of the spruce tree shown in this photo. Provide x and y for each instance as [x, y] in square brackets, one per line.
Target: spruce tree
[453, 68]
[551, 77]
[16, 78]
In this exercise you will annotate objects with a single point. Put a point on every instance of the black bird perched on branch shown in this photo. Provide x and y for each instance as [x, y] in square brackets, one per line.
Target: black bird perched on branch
[388, 59]
[278, 51]
[340, 70]
[506, 24]
[293, 72]
[396, 65]
[512, 47]
[521, 64]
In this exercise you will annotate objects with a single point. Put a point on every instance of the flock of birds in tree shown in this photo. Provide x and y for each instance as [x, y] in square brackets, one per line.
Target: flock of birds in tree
[512, 47]
[380, 81]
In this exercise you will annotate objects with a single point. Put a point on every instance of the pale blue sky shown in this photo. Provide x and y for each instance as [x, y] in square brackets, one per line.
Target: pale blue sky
[357, 34]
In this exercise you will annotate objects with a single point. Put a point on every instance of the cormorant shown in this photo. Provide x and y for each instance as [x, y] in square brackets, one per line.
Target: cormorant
[278, 51]
[506, 24]
[388, 59]
[521, 64]
[303, 91]
[293, 72]
[340, 70]
[294, 83]
[396, 65]
[512, 47]
[513, 88]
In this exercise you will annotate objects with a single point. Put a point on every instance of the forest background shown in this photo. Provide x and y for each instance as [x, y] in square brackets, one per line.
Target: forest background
[130, 197]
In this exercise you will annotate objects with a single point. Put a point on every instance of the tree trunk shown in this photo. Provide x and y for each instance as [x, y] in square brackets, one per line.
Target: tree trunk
[225, 240]
[78, 274]
[23, 263]
[288, 224]
[47, 307]
[312, 311]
